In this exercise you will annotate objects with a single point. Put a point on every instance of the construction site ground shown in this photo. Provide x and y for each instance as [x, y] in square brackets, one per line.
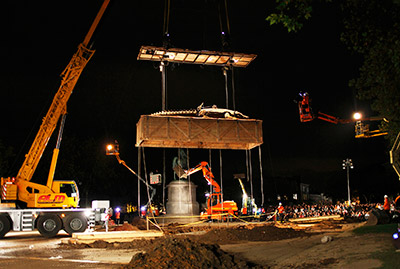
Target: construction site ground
[326, 244]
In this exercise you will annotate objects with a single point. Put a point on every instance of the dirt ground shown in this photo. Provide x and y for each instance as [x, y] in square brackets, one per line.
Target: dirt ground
[329, 244]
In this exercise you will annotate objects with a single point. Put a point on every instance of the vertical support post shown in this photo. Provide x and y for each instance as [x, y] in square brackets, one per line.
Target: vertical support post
[348, 185]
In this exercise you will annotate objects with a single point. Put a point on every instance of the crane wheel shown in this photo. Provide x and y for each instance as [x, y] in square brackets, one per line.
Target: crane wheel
[75, 223]
[49, 225]
[5, 225]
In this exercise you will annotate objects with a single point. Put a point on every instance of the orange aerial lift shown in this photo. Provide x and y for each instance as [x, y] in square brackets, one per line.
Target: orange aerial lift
[362, 130]
[216, 208]
[53, 206]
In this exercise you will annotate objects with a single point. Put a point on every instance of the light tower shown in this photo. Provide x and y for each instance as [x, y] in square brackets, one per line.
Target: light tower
[348, 164]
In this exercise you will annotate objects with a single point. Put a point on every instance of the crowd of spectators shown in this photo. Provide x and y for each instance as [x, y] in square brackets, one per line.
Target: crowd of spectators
[358, 211]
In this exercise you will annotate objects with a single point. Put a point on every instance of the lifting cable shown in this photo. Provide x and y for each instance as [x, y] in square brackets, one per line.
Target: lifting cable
[210, 164]
[139, 173]
[163, 180]
[145, 177]
[189, 182]
[220, 175]
[261, 176]
[226, 46]
[167, 8]
[249, 171]
[163, 70]
[147, 188]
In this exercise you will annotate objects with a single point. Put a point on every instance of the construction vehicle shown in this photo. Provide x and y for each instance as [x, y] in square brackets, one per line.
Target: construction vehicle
[216, 209]
[249, 207]
[26, 205]
[362, 130]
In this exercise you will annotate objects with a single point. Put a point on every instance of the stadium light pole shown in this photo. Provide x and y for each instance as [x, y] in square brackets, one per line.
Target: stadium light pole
[347, 165]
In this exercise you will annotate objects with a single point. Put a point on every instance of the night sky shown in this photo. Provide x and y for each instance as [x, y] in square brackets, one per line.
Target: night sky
[39, 38]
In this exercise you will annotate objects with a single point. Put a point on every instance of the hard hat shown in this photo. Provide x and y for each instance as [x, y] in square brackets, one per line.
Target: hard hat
[385, 196]
[280, 203]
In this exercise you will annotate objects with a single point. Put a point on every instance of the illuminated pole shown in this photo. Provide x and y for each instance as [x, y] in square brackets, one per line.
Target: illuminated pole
[348, 164]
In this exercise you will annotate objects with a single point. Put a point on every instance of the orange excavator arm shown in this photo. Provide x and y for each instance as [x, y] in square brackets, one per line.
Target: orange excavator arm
[208, 175]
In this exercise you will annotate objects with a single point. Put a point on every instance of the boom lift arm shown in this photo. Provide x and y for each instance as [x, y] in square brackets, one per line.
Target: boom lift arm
[113, 149]
[395, 155]
[361, 129]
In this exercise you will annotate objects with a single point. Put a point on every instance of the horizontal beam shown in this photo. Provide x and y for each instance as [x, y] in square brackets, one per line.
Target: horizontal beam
[203, 57]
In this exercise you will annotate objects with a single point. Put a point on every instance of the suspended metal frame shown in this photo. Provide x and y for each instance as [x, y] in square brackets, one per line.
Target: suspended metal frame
[204, 57]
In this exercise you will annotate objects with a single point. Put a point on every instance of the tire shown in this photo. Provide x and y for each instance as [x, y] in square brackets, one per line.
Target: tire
[75, 223]
[5, 225]
[49, 225]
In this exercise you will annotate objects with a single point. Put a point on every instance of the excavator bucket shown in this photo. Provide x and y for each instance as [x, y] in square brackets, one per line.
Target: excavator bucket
[179, 171]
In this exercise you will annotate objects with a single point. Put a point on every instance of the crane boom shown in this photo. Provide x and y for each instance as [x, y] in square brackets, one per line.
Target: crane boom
[70, 77]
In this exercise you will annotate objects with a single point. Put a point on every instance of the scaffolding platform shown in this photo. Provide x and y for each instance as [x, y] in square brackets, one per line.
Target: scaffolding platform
[198, 132]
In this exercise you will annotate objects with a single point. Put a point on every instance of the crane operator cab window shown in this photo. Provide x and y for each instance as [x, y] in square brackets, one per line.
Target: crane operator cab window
[69, 189]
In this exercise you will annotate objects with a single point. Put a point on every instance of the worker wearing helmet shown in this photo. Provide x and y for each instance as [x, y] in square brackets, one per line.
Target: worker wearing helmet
[386, 205]
[281, 211]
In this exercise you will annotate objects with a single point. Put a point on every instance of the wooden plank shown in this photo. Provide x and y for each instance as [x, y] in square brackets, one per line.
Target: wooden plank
[110, 237]
[317, 219]
[196, 132]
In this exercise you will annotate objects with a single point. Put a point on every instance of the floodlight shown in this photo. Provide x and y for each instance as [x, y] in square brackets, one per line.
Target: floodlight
[112, 149]
[357, 116]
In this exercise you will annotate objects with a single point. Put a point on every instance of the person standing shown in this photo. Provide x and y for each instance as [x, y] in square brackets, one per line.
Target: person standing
[281, 211]
[108, 218]
[386, 205]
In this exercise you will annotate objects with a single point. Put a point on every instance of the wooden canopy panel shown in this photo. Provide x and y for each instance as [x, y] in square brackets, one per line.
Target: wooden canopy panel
[193, 132]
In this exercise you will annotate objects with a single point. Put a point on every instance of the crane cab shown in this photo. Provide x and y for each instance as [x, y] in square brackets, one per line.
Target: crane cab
[70, 188]
[62, 194]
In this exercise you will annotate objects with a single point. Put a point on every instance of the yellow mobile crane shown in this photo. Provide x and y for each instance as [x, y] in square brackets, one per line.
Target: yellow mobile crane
[53, 206]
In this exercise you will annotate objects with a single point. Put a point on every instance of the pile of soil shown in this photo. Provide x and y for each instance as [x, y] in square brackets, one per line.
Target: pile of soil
[185, 253]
